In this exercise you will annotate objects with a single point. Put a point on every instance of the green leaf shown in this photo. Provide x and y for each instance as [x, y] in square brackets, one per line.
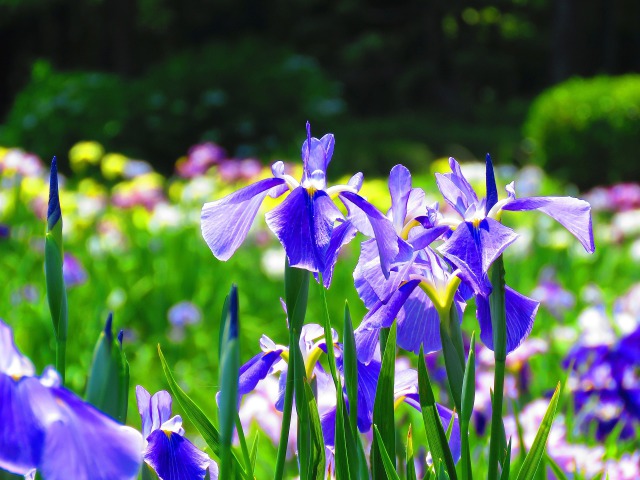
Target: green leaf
[296, 286]
[147, 473]
[209, 433]
[519, 429]
[340, 441]
[228, 374]
[411, 465]
[453, 352]
[350, 367]
[350, 372]
[532, 460]
[388, 464]
[497, 441]
[506, 465]
[254, 451]
[383, 408]
[438, 445]
[57, 296]
[468, 399]
[108, 384]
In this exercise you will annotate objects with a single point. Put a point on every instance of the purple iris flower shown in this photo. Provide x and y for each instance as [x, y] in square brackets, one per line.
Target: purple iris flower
[479, 239]
[167, 451]
[606, 385]
[73, 271]
[308, 223]
[274, 360]
[471, 245]
[48, 428]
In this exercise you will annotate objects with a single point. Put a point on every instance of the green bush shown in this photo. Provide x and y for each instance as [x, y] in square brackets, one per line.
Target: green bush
[248, 96]
[587, 131]
[56, 110]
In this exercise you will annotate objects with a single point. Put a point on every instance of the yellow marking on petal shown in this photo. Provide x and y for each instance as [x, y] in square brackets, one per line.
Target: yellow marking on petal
[311, 190]
[476, 222]
[285, 355]
[312, 359]
[442, 299]
[16, 376]
[398, 402]
[168, 433]
[404, 234]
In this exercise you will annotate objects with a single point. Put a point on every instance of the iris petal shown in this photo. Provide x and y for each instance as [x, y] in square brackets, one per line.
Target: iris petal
[455, 189]
[399, 188]
[83, 443]
[12, 362]
[173, 457]
[21, 435]
[520, 314]
[303, 223]
[473, 249]
[341, 236]
[380, 316]
[154, 410]
[392, 249]
[572, 213]
[419, 324]
[255, 370]
[226, 222]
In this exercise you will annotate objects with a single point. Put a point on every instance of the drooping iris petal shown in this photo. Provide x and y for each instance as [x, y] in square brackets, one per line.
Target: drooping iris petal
[380, 316]
[391, 248]
[226, 222]
[473, 249]
[367, 383]
[572, 213]
[173, 457]
[341, 236]
[154, 410]
[255, 370]
[427, 237]
[455, 189]
[21, 435]
[328, 426]
[81, 442]
[303, 223]
[520, 314]
[371, 271]
[399, 188]
[419, 324]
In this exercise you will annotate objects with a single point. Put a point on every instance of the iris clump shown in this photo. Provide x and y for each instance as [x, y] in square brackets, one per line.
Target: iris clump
[340, 399]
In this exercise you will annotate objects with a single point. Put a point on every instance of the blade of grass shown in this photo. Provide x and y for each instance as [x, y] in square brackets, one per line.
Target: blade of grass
[387, 463]
[532, 460]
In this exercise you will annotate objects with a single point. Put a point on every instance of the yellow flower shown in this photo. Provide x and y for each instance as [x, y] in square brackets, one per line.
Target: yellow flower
[113, 165]
[85, 153]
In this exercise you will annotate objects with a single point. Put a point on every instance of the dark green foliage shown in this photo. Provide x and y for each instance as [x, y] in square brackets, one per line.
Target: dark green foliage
[588, 130]
[247, 95]
[56, 110]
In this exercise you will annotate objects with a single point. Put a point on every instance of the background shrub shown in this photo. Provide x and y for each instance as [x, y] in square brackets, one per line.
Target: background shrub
[247, 96]
[588, 130]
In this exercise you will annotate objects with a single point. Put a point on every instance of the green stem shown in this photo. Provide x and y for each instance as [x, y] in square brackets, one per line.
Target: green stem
[499, 325]
[286, 416]
[243, 446]
[61, 356]
[453, 351]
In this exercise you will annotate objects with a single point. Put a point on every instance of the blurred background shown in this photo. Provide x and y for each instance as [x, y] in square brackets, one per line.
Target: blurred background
[154, 107]
[404, 81]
